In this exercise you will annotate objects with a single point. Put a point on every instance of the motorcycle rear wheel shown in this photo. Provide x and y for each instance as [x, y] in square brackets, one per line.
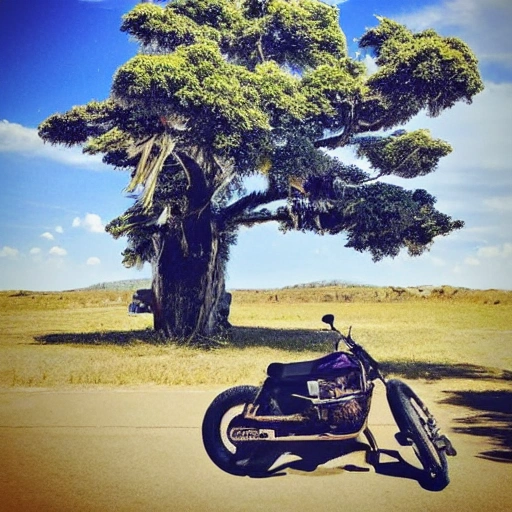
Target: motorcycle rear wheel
[409, 414]
[244, 459]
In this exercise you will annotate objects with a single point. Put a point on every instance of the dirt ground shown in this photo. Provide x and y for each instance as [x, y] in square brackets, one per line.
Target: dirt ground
[140, 449]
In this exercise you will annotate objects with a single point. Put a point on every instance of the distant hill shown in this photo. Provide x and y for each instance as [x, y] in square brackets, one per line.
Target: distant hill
[126, 284]
[134, 284]
[324, 284]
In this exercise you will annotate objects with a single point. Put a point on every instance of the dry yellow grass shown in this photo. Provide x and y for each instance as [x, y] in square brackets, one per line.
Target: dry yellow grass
[87, 338]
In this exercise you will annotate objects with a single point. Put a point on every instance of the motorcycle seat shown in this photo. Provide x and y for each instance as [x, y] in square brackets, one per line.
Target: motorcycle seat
[327, 365]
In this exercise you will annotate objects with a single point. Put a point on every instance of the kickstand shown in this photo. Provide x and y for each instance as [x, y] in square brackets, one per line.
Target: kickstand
[373, 455]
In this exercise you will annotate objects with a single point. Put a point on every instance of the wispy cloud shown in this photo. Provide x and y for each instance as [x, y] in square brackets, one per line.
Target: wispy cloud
[45, 206]
[23, 141]
[485, 26]
[489, 258]
[92, 261]
[496, 251]
[479, 133]
[500, 204]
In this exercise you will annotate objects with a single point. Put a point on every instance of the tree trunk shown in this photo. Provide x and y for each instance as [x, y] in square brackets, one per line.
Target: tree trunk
[188, 281]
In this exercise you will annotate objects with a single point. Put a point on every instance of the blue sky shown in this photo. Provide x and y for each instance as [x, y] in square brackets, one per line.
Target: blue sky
[55, 201]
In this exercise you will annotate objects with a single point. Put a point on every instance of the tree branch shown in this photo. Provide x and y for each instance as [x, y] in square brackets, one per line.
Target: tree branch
[333, 142]
[259, 47]
[343, 138]
[237, 212]
[260, 217]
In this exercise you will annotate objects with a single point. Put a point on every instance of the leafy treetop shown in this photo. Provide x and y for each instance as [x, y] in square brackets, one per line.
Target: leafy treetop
[222, 90]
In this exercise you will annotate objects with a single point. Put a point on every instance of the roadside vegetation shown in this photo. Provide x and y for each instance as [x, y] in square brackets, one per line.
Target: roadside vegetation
[87, 338]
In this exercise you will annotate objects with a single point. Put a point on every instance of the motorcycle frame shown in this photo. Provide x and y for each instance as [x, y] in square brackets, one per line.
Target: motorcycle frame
[266, 425]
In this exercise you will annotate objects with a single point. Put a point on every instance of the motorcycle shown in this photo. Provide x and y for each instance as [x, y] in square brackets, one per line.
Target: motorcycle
[246, 428]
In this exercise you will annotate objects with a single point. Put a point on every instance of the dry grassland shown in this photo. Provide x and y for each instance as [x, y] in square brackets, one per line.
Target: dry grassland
[87, 338]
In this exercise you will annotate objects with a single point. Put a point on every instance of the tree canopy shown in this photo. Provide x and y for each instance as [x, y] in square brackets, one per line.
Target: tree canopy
[222, 90]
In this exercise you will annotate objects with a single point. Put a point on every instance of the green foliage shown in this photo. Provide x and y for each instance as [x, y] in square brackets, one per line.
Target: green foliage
[385, 217]
[163, 29]
[407, 155]
[419, 71]
[223, 89]
[79, 124]
[113, 140]
[217, 100]
[378, 218]
[303, 34]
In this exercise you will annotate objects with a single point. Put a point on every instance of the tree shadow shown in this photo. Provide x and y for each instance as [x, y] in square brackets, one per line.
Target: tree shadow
[322, 341]
[121, 338]
[298, 340]
[294, 340]
[438, 371]
[493, 420]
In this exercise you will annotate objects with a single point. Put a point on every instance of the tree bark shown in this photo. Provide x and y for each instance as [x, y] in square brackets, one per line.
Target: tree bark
[189, 280]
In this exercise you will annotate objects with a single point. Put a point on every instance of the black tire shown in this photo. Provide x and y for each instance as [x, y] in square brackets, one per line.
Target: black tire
[407, 409]
[252, 459]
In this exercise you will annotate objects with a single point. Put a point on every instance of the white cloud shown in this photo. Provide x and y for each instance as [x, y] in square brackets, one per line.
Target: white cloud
[93, 260]
[8, 252]
[35, 250]
[485, 26]
[371, 66]
[48, 236]
[57, 251]
[15, 138]
[91, 222]
[59, 229]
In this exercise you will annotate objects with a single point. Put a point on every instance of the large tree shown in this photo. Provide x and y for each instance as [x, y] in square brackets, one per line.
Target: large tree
[223, 90]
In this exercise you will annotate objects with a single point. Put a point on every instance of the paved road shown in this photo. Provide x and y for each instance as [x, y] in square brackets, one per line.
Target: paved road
[141, 450]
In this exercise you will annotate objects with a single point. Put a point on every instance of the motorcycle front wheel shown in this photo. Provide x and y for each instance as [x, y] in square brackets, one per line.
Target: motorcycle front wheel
[412, 418]
[249, 459]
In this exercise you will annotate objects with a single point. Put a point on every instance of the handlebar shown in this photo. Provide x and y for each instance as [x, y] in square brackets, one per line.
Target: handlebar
[366, 359]
[359, 351]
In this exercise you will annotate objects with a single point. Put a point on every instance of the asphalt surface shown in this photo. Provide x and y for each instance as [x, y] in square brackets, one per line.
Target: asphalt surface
[141, 450]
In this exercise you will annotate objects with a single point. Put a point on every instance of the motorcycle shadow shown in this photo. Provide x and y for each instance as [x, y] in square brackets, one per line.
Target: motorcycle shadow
[319, 458]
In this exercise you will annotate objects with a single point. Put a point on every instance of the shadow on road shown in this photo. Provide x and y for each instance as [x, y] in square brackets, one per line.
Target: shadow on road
[311, 457]
[491, 418]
